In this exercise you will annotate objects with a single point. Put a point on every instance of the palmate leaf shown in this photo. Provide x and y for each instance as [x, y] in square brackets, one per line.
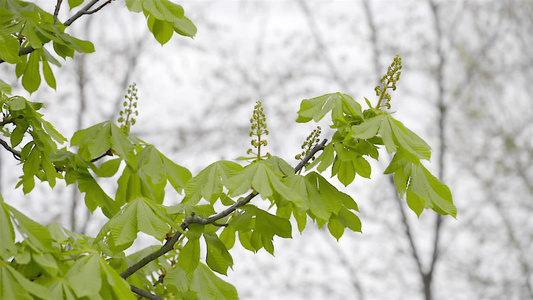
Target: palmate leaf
[94, 278]
[395, 135]
[260, 177]
[37, 236]
[324, 198]
[422, 188]
[209, 286]
[95, 196]
[14, 285]
[138, 215]
[369, 128]
[209, 182]
[218, 257]
[316, 108]
[97, 139]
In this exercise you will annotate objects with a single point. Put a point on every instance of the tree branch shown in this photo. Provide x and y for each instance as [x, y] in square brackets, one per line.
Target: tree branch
[107, 153]
[144, 293]
[169, 245]
[56, 11]
[16, 154]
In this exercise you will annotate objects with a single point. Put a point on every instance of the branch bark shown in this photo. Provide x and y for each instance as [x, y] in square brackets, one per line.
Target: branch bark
[16, 154]
[144, 293]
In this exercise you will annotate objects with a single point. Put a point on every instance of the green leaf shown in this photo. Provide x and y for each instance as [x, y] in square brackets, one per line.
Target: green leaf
[32, 78]
[362, 167]
[297, 184]
[349, 219]
[109, 168]
[335, 227]
[228, 237]
[4, 87]
[49, 170]
[325, 159]
[130, 186]
[7, 233]
[345, 171]
[415, 203]
[176, 280]
[429, 189]
[316, 108]
[325, 199]
[151, 164]
[14, 285]
[395, 134]
[369, 128]
[163, 10]
[97, 139]
[209, 182]
[95, 195]
[162, 30]
[269, 225]
[121, 144]
[53, 132]
[9, 48]
[189, 256]
[262, 179]
[48, 74]
[218, 257]
[93, 141]
[63, 50]
[92, 277]
[178, 176]
[279, 166]
[113, 287]
[138, 215]
[185, 27]
[134, 5]
[401, 167]
[209, 286]
[74, 3]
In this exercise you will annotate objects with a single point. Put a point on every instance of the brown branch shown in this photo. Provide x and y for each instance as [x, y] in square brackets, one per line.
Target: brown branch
[144, 293]
[16, 154]
[107, 153]
[169, 245]
[56, 11]
[98, 8]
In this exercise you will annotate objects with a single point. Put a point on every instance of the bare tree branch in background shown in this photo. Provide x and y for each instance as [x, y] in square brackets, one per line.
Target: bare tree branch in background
[322, 49]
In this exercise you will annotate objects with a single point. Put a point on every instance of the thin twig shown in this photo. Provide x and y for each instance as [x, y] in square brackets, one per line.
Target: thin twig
[144, 293]
[56, 11]
[169, 245]
[80, 12]
[98, 8]
[16, 154]
[107, 153]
